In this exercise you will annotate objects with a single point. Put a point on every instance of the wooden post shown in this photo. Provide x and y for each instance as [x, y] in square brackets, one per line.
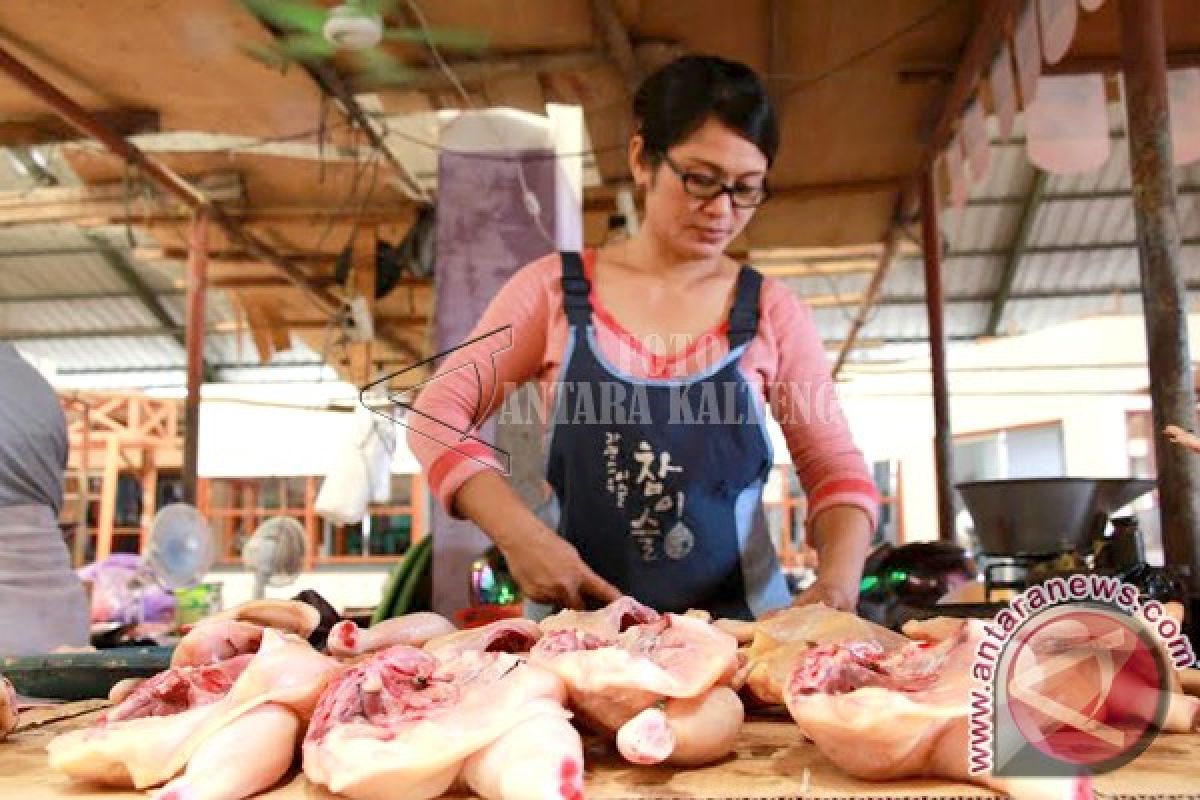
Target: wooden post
[149, 495]
[106, 518]
[197, 269]
[419, 497]
[1143, 55]
[943, 462]
[311, 531]
[82, 533]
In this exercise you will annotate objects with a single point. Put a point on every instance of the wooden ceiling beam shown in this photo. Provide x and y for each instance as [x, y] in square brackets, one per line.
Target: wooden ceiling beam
[192, 197]
[51, 129]
[477, 73]
[617, 42]
[106, 201]
[995, 20]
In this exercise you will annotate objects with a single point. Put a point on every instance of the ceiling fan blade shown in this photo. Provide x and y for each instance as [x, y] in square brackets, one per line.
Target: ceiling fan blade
[265, 53]
[306, 47]
[449, 38]
[381, 69]
[292, 15]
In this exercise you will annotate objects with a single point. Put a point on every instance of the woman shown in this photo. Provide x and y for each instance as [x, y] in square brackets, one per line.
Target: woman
[42, 605]
[657, 355]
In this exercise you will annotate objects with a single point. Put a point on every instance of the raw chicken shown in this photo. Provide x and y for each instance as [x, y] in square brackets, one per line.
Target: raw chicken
[204, 714]
[539, 758]
[347, 639]
[402, 718]
[501, 636]
[291, 616]
[780, 640]
[616, 683]
[238, 630]
[606, 622]
[212, 641]
[8, 708]
[901, 714]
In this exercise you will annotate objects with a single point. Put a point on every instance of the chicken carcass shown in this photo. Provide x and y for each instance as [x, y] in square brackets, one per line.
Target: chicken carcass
[291, 616]
[780, 640]
[617, 682]
[238, 630]
[883, 715]
[212, 641]
[605, 622]
[403, 718]
[197, 717]
[502, 636]
[8, 708]
[347, 639]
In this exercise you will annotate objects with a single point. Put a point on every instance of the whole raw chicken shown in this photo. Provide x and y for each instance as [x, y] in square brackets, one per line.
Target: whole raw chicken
[404, 725]
[233, 725]
[656, 683]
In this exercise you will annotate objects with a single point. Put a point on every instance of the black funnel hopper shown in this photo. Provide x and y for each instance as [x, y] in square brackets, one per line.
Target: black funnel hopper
[1045, 515]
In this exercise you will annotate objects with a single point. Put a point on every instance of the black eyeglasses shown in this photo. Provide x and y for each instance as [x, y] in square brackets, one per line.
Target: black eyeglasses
[705, 186]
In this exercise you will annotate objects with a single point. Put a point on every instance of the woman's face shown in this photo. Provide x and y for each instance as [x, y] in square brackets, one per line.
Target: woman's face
[691, 227]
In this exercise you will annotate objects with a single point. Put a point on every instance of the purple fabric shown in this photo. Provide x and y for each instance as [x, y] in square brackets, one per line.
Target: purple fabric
[484, 235]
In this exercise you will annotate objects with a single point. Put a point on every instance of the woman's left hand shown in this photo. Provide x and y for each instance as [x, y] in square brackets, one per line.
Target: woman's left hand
[830, 593]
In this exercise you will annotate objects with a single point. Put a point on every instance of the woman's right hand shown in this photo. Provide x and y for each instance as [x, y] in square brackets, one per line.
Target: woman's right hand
[546, 567]
[550, 571]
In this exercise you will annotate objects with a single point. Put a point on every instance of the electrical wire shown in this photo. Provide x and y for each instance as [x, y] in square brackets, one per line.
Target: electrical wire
[805, 81]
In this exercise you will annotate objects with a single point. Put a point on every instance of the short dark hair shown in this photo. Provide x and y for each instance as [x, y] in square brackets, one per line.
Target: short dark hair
[676, 100]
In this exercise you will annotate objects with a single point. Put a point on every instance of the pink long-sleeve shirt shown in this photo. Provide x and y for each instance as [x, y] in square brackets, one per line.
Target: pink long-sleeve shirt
[785, 362]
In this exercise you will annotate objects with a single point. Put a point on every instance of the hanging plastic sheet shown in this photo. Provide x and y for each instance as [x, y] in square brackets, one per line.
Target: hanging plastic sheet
[1056, 21]
[975, 141]
[1183, 87]
[1028, 55]
[1003, 90]
[1067, 126]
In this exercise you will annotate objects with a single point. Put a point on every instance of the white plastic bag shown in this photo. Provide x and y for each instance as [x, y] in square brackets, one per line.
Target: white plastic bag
[361, 471]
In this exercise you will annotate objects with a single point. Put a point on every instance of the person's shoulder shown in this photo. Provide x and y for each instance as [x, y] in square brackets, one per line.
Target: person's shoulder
[778, 301]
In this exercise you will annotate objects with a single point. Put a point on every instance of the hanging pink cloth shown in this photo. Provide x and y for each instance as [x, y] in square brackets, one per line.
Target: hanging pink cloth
[1056, 21]
[1067, 126]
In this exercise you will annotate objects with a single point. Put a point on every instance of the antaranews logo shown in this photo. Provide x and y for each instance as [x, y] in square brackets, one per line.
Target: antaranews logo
[1072, 678]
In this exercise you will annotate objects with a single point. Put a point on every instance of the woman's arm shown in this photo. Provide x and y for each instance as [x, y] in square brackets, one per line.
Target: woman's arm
[468, 475]
[842, 537]
[843, 502]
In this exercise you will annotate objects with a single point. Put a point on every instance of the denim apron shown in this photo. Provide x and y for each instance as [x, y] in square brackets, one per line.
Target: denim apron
[659, 482]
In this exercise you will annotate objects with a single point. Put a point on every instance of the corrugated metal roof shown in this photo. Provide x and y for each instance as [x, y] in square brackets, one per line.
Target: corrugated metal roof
[960, 275]
[987, 227]
[1008, 173]
[1063, 222]
[77, 315]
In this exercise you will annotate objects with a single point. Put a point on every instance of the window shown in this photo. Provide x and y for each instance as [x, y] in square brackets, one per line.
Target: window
[237, 506]
[1030, 451]
[786, 509]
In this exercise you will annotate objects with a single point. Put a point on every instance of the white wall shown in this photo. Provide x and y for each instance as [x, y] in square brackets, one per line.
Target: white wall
[342, 587]
[1085, 375]
[278, 430]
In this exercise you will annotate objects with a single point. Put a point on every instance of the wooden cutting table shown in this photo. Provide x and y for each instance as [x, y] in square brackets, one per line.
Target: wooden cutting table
[771, 762]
